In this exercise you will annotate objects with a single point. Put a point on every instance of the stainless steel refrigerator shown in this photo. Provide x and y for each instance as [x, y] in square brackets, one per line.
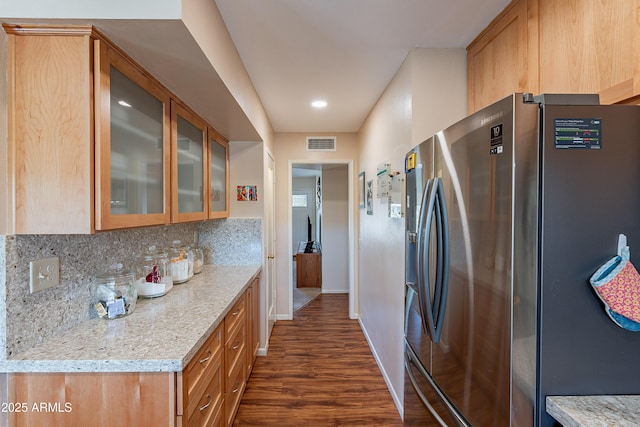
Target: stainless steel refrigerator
[508, 214]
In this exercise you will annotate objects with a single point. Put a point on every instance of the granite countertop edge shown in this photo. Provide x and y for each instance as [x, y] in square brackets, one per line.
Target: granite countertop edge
[161, 335]
[595, 411]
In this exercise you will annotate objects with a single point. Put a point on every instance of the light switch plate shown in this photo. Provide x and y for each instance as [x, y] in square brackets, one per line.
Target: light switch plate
[44, 274]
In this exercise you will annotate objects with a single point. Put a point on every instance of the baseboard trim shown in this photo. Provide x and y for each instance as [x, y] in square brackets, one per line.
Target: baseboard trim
[392, 391]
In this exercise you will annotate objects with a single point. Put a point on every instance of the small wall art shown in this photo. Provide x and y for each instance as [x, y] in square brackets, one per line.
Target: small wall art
[247, 193]
[370, 197]
[361, 189]
[383, 179]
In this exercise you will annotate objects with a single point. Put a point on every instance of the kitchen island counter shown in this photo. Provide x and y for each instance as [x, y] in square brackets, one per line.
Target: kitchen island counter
[161, 335]
[595, 411]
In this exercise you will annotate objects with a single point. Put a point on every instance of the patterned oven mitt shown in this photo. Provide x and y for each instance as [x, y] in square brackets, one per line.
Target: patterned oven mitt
[617, 284]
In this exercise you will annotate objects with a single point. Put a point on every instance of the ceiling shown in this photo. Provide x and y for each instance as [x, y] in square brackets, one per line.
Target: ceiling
[343, 51]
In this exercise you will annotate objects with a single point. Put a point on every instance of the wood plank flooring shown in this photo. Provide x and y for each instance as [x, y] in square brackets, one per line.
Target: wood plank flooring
[319, 371]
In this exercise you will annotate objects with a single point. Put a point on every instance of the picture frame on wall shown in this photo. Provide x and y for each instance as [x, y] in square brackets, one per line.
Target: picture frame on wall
[247, 193]
[361, 187]
[369, 197]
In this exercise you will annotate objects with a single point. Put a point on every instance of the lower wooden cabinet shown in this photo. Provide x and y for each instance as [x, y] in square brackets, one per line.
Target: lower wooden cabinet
[253, 323]
[235, 356]
[236, 383]
[145, 399]
[209, 410]
[202, 383]
[206, 393]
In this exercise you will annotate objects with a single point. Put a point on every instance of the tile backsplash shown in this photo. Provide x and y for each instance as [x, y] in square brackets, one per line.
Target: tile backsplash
[28, 319]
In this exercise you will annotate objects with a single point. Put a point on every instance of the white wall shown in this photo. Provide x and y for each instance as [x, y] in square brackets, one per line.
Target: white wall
[335, 230]
[245, 168]
[385, 137]
[427, 94]
[439, 83]
[291, 148]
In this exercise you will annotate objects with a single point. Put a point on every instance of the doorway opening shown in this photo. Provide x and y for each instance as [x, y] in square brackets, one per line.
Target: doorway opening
[321, 231]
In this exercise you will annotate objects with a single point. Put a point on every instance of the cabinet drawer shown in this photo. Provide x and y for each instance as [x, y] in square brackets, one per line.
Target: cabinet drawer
[236, 383]
[235, 315]
[209, 409]
[201, 370]
[236, 345]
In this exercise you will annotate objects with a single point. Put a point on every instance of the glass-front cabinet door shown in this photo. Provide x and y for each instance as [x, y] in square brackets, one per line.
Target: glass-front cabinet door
[189, 183]
[133, 146]
[218, 175]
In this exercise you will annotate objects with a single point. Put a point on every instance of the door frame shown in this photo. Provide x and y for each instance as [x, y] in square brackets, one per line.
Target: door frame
[269, 278]
[353, 297]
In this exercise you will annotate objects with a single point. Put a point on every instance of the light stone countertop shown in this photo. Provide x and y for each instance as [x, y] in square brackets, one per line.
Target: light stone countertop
[595, 411]
[161, 335]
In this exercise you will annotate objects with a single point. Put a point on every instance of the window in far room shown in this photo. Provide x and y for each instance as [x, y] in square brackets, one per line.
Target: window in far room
[299, 200]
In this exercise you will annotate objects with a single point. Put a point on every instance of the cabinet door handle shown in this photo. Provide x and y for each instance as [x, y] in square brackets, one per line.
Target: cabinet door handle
[202, 408]
[206, 358]
[236, 345]
[235, 313]
[237, 387]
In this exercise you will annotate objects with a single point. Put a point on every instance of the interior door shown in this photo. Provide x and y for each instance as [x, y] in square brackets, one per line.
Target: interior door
[270, 274]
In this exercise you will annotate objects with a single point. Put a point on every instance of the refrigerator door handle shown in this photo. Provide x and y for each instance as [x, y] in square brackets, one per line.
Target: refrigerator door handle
[437, 288]
[442, 272]
[424, 237]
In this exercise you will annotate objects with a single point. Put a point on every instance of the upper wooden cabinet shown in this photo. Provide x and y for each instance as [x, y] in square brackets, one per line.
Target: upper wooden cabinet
[590, 47]
[97, 143]
[551, 46]
[218, 175]
[132, 145]
[188, 165]
[502, 59]
[50, 131]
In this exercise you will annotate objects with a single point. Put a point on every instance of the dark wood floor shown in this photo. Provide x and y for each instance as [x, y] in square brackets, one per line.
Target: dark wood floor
[319, 371]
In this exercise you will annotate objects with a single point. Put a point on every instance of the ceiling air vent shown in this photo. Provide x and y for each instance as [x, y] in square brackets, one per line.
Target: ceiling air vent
[321, 143]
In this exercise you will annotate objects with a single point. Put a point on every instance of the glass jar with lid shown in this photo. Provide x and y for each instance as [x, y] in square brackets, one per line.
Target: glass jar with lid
[113, 292]
[198, 255]
[198, 259]
[153, 273]
[181, 257]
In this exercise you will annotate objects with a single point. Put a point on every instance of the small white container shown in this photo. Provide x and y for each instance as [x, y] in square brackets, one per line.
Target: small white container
[153, 273]
[181, 258]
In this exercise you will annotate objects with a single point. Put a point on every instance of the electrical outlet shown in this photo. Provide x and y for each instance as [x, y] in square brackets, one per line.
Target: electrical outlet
[44, 274]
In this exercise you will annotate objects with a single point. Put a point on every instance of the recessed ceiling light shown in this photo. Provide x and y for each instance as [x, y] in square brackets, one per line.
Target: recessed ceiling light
[124, 103]
[319, 104]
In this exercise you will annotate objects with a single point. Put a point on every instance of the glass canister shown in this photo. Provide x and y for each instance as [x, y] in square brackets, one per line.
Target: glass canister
[153, 273]
[198, 255]
[181, 258]
[114, 292]
[198, 259]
